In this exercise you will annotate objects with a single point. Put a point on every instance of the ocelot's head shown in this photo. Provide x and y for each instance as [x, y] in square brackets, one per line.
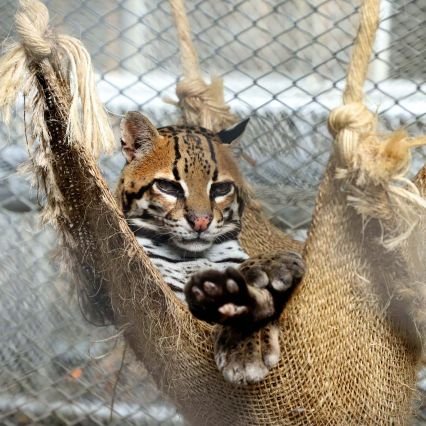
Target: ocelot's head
[181, 183]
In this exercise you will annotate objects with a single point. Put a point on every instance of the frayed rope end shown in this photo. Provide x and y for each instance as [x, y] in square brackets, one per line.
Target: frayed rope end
[87, 119]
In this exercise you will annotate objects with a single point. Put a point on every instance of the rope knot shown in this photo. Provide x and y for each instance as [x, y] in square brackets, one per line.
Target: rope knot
[354, 117]
[347, 124]
[192, 88]
[203, 104]
[32, 24]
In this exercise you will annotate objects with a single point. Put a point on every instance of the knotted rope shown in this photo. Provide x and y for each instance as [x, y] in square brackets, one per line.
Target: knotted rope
[32, 22]
[362, 155]
[347, 122]
[200, 103]
[87, 115]
[372, 170]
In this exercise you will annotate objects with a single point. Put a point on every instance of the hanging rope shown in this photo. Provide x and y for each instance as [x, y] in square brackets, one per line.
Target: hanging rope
[372, 170]
[200, 103]
[361, 52]
[346, 123]
[362, 154]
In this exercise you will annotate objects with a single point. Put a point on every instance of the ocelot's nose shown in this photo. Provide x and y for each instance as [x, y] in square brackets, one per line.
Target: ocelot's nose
[199, 222]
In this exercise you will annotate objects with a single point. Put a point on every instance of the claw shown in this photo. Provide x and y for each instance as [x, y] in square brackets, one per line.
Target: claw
[241, 310]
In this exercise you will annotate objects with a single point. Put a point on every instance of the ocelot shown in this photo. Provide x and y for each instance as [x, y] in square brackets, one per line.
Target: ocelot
[183, 196]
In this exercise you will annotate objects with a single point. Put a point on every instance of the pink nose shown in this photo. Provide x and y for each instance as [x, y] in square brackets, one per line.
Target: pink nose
[199, 223]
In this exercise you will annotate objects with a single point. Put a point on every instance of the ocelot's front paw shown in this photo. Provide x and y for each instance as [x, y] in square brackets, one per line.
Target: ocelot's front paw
[249, 297]
[247, 358]
[219, 297]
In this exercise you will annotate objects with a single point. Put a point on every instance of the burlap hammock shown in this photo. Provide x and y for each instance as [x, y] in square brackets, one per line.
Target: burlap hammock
[351, 335]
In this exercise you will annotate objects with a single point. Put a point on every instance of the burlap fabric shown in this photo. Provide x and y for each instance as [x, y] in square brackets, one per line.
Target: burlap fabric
[344, 361]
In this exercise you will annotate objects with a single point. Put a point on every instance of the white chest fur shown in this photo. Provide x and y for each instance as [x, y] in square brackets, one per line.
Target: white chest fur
[176, 266]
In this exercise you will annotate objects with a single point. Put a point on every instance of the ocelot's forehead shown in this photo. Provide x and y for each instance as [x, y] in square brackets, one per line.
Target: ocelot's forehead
[195, 155]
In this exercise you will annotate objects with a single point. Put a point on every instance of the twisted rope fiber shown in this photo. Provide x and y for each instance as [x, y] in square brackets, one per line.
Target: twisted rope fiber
[201, 104]
[354, 127]
[361, 52]
[353, 118]
[373, 166]
[34, 34]
[87, 115]
[342, 361]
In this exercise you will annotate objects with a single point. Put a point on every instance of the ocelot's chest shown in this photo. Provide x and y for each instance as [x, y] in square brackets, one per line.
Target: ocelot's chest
[176, 267]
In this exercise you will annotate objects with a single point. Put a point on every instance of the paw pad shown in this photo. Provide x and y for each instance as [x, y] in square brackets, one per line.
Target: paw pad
[218, 297]
[231, 310]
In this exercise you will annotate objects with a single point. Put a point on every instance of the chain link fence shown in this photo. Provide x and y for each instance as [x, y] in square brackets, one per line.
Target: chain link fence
[283, 63]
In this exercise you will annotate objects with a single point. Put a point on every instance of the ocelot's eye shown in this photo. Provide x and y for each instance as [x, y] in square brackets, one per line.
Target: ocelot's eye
[221, 188]
[169, 187]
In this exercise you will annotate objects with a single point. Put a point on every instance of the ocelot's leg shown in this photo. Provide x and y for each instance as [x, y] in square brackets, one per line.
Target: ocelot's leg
[246, 302]
[247, 357]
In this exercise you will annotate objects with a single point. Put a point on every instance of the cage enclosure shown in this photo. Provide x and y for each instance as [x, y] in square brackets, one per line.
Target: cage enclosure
[283, 63]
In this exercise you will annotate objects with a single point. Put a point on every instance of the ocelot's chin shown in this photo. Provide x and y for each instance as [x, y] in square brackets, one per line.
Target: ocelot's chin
[193, 246]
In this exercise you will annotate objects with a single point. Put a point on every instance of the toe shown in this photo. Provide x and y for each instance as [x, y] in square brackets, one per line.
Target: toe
[197, 293]
[255, 371]
[271, 345]
[211, 288]
[232, 286]
[280, 284]
[257, 277]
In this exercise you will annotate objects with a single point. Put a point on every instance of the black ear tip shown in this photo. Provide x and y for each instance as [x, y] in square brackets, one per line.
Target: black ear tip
[244, 123]
[229, 135]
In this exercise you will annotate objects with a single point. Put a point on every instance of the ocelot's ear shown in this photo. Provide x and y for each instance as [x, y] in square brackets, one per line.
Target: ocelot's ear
[228, 136]
[138, 135]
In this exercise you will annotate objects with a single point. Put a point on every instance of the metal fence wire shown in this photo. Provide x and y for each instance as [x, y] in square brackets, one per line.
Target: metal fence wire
[283, 63]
